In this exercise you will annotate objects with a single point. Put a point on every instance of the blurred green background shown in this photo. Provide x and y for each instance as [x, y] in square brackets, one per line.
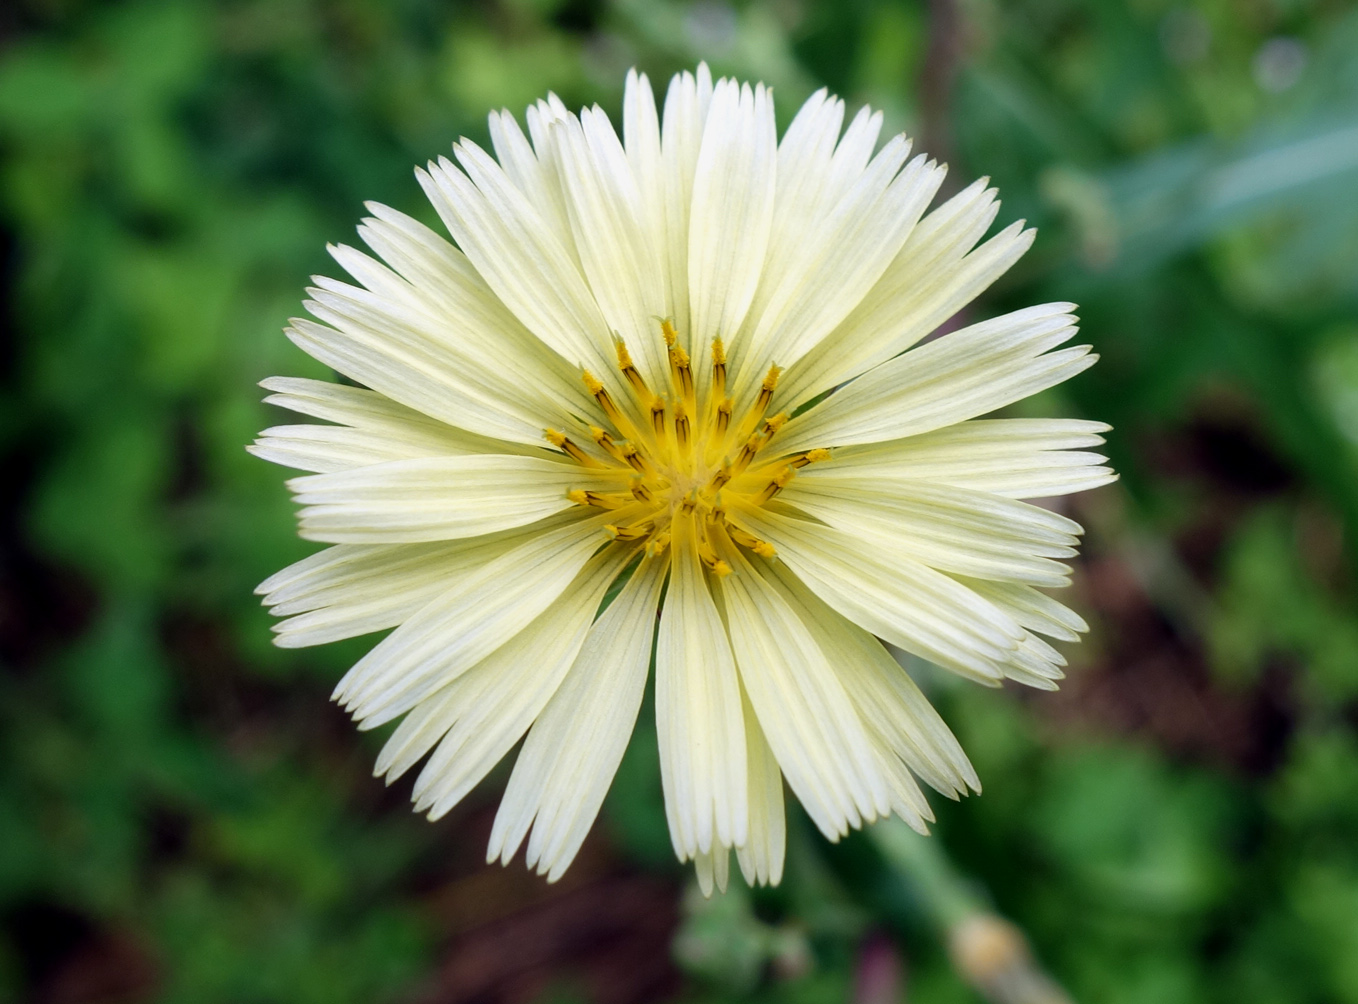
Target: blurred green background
[184, 817]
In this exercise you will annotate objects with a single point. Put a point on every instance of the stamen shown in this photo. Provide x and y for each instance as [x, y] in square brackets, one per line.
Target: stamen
[606, 442]
[778, 483]
[620, 421]
[634, 532]
[708, 555]
[770, 384]
[668, 479]
[563, 444]
[683, 372]
[656, 546]
[629, 369]
[724, 416]
[774, 424]
[761, 404]
[600, 500]
[809, 457]
[749, 541]
[721, 477]
[681, 426]
[633, 458]
[658, 418]
[746, 454]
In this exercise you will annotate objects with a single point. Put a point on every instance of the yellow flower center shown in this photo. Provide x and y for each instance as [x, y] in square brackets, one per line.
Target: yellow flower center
[685, 455]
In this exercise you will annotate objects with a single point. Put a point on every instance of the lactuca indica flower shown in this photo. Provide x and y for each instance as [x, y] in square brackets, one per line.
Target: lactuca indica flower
[678, 370]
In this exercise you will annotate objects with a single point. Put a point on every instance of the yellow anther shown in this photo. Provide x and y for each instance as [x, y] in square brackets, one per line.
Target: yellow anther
[562, 443]
[667, 331]
[681, 430]
[778, 483]
[605, 399]
[746, 454]
[633, 458]
[635, 532]
[749, 541]
[682, 370]
[600, 500]
[718, 369]
[721, 569]
[689, 504]
[721, 477]
[761, 404]
[768, 387]
[816, 456]
[774, 424]
[629, 369]
[657, 544]
[706, 551]
[658, 416]
[640, 492]
[606, 442]
[724, 415]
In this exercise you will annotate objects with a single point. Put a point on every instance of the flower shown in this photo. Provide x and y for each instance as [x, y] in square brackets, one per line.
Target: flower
[676, 365]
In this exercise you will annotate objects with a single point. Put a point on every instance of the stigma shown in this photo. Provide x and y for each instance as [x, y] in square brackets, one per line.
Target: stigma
[685, 453]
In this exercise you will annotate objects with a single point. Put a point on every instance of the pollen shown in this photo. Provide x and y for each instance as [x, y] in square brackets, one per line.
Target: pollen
[685, 453]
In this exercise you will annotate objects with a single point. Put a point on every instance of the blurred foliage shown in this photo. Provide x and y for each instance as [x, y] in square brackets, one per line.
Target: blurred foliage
[182, 818]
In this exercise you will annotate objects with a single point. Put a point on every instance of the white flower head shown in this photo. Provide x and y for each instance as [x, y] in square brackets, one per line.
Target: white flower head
[679, 364]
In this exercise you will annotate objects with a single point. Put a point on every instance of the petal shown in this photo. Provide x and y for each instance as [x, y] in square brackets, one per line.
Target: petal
[324, 449]
[686, 106]
[713, 868]
[478, 718]
[436, 498]
[809, 723]
[761, 856]
[573, 751]
[533, 171]
[465, 344]
[1033, 609]
[894, 710]
[951, 529]
[645, 157]
[372, 429]
[841, 255]
[467, 623]
[935, 274]
[516, 253]
[698, 718]
[468, 314]
[1014, 457]
[354, 589]
[409, 369]
[733, 193]
[967, 373]
[625, 273]
[907, 603]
